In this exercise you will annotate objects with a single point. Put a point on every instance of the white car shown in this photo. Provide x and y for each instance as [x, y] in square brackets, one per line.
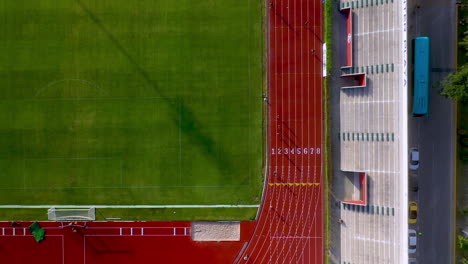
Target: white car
[412, 241]
[414, 159]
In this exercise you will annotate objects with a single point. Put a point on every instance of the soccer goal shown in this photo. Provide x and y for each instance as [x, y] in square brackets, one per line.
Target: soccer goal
[88, 214]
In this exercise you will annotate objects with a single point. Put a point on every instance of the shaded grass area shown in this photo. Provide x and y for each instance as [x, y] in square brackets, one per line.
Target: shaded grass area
[118, 102]
[462, 58]
[185, 214]
[23, 214]
[461, 182]
[327, 127]
[166, 214]
[462, 125]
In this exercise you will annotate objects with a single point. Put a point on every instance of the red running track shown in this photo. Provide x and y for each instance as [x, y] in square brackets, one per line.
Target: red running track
[290, 225]
[115, 243]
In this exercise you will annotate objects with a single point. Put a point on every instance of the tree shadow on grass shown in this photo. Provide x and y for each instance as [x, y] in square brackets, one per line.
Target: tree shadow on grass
[180, 112]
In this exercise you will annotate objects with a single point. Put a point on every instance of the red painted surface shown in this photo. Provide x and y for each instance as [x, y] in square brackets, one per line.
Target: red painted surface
[358, 80]
[115, 243]
[290, 225]
[349, 36]
[363, 183]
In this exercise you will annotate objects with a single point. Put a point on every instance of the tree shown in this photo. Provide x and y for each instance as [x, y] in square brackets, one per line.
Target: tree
[462, 242]
[455, 85]
[464, 43]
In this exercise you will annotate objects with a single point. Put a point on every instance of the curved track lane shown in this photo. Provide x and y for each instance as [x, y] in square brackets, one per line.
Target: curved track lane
[290, 226]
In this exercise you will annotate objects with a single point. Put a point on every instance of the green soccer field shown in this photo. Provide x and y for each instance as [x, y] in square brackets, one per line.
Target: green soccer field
[148, 102]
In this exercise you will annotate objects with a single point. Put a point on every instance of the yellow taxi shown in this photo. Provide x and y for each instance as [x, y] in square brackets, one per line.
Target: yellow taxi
[413, 212]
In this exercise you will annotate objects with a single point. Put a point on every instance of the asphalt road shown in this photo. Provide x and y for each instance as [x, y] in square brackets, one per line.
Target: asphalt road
[435, 135]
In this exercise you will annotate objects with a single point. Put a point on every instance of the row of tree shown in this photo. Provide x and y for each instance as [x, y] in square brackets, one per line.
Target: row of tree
[455, 85]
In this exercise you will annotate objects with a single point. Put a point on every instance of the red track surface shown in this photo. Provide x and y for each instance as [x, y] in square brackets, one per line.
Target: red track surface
[290, 226]
[115, 243]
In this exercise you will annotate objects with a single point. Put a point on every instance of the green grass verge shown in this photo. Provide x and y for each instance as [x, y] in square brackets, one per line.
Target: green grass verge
[462, 58]
[462, 124]
[131, 102]
[165, 214]
[327, 142]
[184, 214]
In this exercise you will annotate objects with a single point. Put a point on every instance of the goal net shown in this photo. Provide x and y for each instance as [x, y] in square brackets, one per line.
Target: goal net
[55, 214]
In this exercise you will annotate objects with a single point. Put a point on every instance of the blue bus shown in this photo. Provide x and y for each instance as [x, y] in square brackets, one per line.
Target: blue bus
[421, 54]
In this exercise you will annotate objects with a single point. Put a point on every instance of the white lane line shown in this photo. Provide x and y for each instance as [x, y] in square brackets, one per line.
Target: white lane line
[370, 102]
[137, 206]
[388, 242]
[63, 249]
[383, 172]
[376, 32]
[293, 237]
[84, 249]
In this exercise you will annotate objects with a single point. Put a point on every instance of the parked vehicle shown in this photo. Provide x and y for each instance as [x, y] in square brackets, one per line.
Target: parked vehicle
[413, 212]
[414, 159]
[412, 241]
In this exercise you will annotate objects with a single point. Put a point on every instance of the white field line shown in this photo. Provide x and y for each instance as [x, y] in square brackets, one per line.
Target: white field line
[136, 206]
[96, 98]
[125, 187]
[72, 158]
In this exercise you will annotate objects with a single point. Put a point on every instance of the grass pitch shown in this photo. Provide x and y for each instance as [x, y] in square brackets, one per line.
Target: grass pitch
[130, 102]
